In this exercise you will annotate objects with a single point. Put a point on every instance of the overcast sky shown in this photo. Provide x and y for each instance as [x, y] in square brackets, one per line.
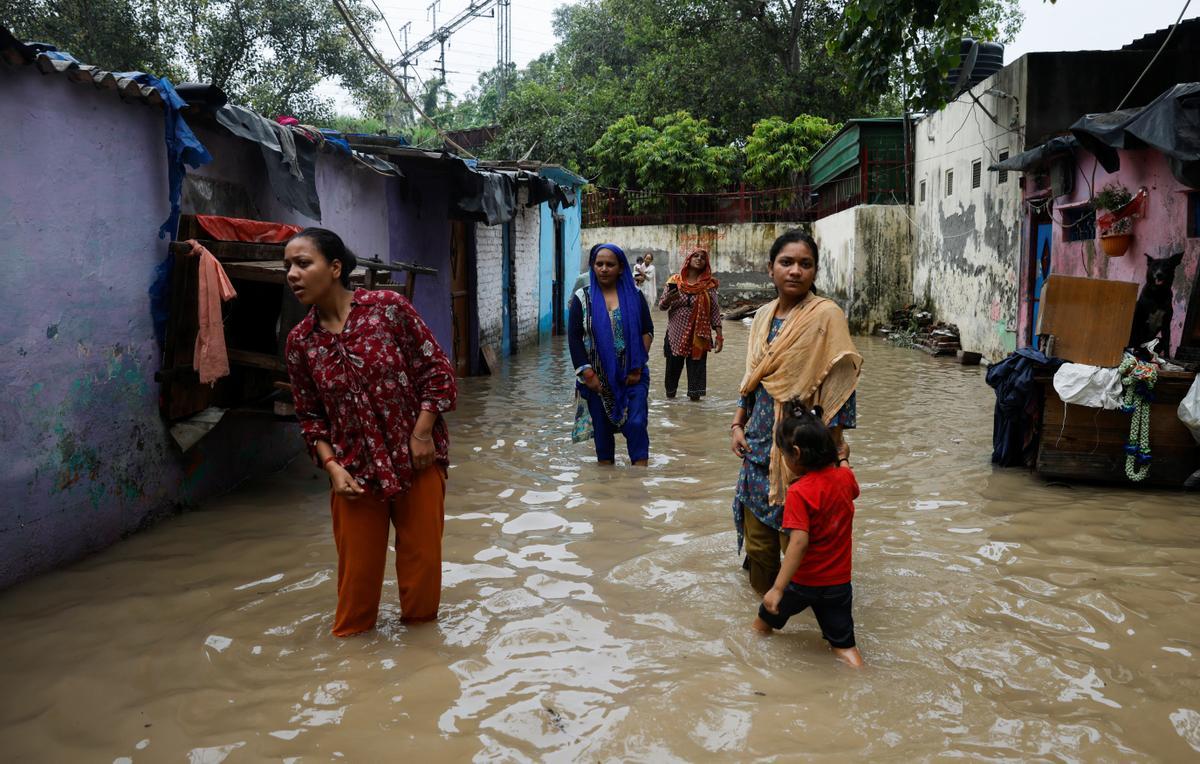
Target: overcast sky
[1065, 25]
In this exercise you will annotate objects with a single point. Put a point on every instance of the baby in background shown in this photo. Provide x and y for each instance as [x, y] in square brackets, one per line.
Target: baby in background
[818, 516]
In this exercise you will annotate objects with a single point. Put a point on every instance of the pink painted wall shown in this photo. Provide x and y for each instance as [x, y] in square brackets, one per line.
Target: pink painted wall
[1161, 232]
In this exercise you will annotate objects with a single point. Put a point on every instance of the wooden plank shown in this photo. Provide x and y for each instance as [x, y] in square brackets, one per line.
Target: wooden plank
[1089, 318]
[1081, 443]
[234, 250]
[271, 273]
[257, 360]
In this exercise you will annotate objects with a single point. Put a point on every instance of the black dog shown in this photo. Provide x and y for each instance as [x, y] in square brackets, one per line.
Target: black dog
[1153, 313]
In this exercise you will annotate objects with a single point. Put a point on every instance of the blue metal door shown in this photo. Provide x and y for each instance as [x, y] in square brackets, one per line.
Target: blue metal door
[1041, 270]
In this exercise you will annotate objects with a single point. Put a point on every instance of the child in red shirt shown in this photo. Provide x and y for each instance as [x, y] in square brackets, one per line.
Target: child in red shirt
[818, 515]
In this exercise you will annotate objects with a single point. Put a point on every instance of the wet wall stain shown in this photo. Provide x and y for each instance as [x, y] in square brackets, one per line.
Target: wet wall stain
[99, 444]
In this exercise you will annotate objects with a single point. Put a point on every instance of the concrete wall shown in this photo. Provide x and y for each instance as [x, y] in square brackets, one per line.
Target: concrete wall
[968, 240]
[419, 231]
[1161, 232]
[86, 459]
[866, 261]
[739, 252]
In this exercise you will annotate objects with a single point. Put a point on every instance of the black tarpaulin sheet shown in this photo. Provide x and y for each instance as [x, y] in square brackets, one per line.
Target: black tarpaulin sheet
[1039, 156]
[291, 167]
[1169, 124]
[484, 197]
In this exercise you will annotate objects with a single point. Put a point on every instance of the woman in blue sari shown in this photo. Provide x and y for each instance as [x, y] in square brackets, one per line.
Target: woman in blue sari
[609, 330]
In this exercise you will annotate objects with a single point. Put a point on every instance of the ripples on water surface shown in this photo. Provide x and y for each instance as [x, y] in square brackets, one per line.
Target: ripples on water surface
[601, 613]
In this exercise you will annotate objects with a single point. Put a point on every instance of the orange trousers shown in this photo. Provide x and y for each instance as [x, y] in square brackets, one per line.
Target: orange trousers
[360, 531]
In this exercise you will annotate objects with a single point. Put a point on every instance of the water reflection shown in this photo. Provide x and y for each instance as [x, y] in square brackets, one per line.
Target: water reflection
[600, 613]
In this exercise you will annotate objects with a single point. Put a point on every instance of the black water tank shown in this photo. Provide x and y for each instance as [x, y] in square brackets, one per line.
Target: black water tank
[988, 58]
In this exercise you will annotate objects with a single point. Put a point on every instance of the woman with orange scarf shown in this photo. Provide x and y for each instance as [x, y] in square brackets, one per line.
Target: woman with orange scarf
[693, 323]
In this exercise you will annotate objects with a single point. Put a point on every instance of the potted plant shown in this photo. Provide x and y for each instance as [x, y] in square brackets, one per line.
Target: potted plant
[1116, 236]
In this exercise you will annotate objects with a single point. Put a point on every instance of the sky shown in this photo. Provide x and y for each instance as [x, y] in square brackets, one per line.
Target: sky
[1064, 25]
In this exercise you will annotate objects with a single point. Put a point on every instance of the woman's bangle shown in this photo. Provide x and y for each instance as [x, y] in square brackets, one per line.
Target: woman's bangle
[737, 424]
[847, 461]
[325, 462]
[423, 440]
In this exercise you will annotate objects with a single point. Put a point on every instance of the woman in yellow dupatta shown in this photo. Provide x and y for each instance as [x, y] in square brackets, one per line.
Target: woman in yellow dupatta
[800, 350]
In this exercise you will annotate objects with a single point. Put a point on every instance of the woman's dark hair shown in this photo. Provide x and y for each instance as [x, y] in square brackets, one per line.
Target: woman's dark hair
[795, 236]
[333, 248]
[805, 429]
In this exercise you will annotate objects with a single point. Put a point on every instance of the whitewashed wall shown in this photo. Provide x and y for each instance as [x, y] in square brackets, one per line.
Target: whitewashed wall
[968, 240]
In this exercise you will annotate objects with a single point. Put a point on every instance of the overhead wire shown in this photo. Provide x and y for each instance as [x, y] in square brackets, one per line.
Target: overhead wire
[368, 47]
[1161, 48]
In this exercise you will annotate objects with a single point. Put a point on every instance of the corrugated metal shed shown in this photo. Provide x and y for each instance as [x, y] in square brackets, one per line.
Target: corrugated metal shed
[844, 151]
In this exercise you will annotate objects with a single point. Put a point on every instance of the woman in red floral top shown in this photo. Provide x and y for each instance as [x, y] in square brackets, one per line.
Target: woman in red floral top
[370, 384]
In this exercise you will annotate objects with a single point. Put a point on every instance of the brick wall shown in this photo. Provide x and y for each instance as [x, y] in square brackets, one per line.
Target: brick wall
[489, 285]
[527, 255]
[490, 294]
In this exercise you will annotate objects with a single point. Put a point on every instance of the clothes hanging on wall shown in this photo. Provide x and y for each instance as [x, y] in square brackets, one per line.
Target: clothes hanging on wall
[291, 165]
[210, 357]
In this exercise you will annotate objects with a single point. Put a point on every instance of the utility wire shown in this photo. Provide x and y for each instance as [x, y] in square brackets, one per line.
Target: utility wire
[364, 42]
[1161, 48]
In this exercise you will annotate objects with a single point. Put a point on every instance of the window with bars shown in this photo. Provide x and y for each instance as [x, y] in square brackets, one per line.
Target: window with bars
[1002, 175]
[949, 182]
[1079, 223]
[921, 194]
[976, 173]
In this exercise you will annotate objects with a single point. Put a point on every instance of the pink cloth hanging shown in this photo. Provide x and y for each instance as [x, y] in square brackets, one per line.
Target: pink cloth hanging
[210, 358]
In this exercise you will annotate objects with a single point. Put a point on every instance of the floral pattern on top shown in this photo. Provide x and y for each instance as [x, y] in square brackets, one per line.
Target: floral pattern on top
[614, 318]
[679, 307]
[362, 389]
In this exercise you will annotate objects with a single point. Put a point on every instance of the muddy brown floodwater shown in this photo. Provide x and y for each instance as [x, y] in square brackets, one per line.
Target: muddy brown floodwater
[601, 614]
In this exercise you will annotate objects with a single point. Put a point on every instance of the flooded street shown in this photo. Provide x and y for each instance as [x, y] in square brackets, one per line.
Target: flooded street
[602, 614]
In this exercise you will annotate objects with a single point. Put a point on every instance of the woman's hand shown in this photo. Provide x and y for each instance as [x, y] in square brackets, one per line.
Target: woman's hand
[738, 445]
[591, 381]
[342, 482]
[720, 344]
[422, 451]
[634, 377]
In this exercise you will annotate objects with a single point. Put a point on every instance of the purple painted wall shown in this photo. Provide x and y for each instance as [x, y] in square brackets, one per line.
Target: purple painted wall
[86, 458]
[1161, 232]
[353, 198]
[419, 210]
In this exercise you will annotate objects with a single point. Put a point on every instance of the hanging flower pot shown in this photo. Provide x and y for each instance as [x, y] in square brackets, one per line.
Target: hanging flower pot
[1115, 244]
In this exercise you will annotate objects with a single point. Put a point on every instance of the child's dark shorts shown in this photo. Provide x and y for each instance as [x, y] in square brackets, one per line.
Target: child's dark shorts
[830, 604]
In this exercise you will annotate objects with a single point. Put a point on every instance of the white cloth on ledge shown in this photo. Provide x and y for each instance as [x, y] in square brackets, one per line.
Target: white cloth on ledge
[1097, 387]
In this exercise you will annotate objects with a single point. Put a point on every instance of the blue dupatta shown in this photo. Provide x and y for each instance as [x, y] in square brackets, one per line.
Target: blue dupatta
[631, 324]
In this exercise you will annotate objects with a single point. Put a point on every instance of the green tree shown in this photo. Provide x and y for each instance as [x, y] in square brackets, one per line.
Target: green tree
[730, 62]
[613, 163]
[267, 54]
[914, 44]
[117, 35]
[676, 155]
[680, 157]
[777, 151]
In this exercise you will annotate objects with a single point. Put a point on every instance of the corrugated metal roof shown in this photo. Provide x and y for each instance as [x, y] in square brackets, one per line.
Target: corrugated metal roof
[17, 53]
